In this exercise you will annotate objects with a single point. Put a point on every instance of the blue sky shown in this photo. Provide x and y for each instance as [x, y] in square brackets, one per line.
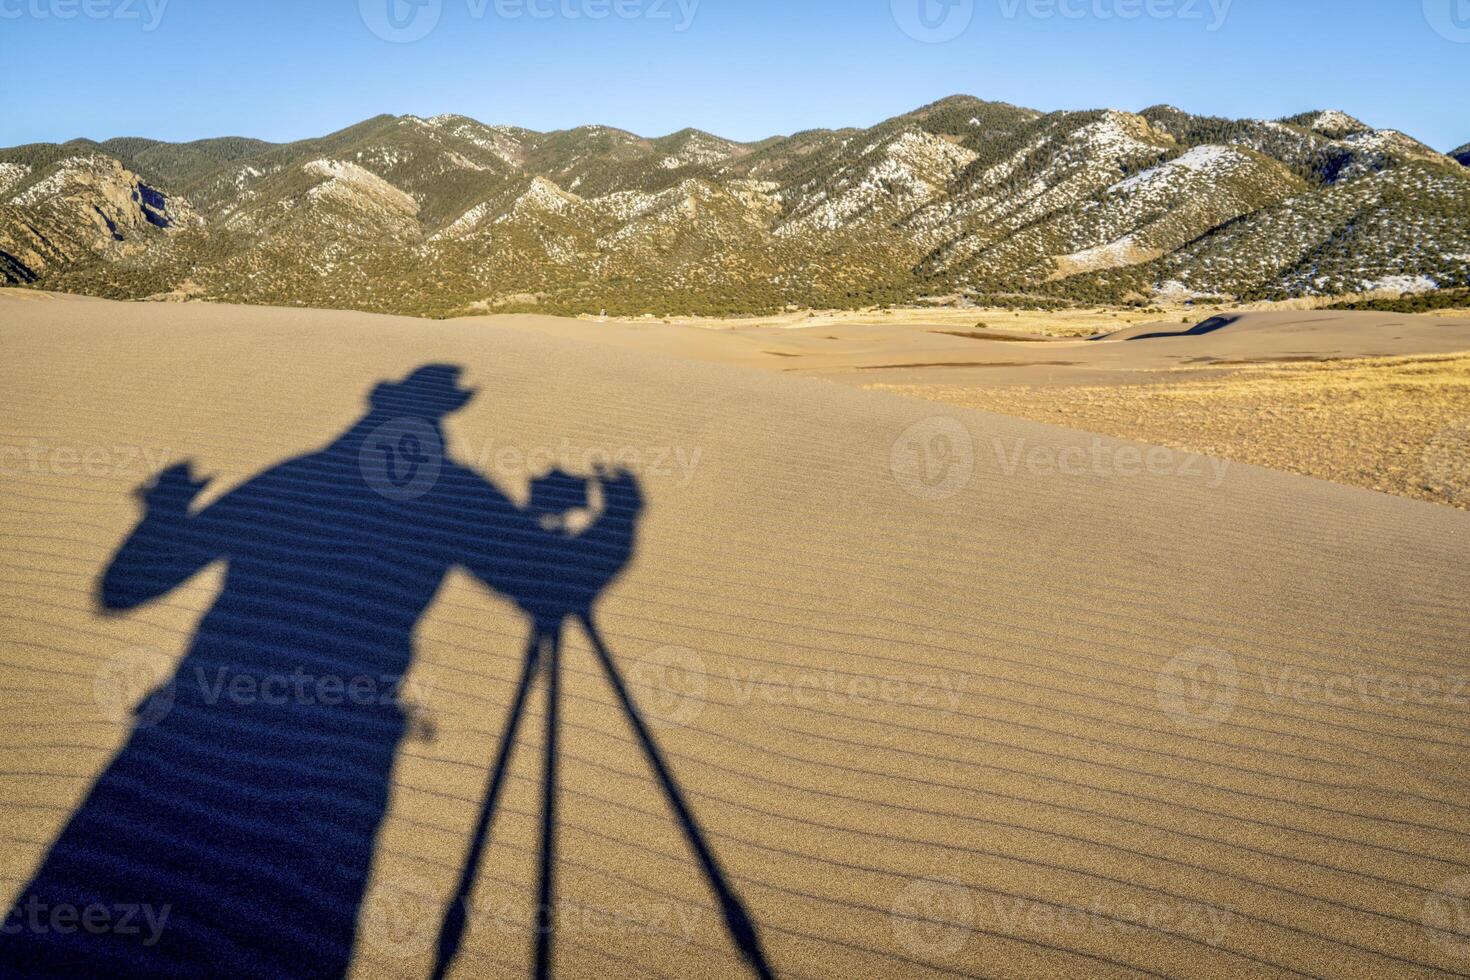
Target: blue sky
[286, 69]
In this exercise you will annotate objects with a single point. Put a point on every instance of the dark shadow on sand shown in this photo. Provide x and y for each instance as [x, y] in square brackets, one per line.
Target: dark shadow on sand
[238, 822]
[1198, 330]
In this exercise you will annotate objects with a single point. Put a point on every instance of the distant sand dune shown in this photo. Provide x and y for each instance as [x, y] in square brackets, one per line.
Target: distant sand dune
[916, 352]
[926, 674]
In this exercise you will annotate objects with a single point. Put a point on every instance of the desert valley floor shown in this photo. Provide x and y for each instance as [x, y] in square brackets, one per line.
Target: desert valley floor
[940, 715]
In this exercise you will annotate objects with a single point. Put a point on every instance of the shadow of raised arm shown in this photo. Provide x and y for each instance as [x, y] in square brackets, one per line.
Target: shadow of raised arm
[167, 548]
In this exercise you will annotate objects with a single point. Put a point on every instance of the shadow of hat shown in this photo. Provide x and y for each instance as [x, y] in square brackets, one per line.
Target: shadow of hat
[431, 391]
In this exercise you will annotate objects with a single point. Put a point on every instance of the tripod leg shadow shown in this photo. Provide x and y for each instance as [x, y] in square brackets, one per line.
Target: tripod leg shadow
[546, 901]
[741, 927]
[456, 916]
[737, 920]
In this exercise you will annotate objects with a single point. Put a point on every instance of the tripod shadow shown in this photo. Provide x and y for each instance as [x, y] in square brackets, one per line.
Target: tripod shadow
[544, 654]
[235, 829]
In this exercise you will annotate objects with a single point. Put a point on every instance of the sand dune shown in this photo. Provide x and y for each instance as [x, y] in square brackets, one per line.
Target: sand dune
[945, 353]
[952, 694]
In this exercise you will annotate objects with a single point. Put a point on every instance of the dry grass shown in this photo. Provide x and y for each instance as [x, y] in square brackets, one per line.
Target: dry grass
[1398, 425]
[1058, 323]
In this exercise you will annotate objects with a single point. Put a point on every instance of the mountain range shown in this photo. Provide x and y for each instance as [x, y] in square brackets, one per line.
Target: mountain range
[962, 200]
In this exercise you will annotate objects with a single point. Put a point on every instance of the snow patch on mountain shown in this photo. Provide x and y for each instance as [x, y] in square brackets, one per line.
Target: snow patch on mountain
[760, 195]
[1208, 161]
[625, 205]
[921, 150]
[1174, 291]
[543, 196]
[698, 149]
[1114, 136]
[1411, 285]
[465, 223]
[501, 141]
[908, 172]
[67, 171]
[12, 174]
[351, 185]
[462, 162]
[1387, 143]
[1335, 124]
[382, 157]
[244, 175]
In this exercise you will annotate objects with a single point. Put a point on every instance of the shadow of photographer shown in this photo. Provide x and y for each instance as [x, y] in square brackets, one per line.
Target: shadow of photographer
[243, 826]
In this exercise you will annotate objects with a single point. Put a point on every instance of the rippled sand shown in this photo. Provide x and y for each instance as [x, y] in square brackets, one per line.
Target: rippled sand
[951, 693]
